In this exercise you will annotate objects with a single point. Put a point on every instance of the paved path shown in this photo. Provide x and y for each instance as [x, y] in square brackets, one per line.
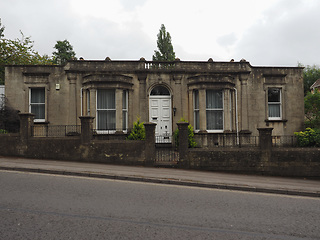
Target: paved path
[278, 185]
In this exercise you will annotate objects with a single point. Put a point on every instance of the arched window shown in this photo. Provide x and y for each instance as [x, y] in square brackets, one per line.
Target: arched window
[160, 90]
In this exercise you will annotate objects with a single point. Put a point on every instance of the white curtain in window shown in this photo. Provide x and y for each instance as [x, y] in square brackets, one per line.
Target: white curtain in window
[37, 102]
[107, 119]
[274, 103]
[196, 110]
[214, 120]
[214, 105]
[106, 109]
[124, 110]
[274, 110]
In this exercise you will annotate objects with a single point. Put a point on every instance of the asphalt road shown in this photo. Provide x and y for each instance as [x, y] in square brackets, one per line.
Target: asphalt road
[35, 206]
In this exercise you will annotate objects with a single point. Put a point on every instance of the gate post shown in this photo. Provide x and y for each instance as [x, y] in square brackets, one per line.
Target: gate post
[183, 144]
[86, 129]
[26, 124]
[265, 138]
[150, 143]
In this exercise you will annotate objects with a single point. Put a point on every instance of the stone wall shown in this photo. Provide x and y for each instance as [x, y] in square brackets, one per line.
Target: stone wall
[265, 159]
[290, 162]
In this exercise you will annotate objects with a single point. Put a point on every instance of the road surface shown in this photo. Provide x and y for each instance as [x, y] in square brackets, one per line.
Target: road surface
[35, 206]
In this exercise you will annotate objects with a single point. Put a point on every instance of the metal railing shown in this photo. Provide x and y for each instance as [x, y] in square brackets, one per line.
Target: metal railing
[55, 130]
[285, 141]
[225, 140]
[164, 139]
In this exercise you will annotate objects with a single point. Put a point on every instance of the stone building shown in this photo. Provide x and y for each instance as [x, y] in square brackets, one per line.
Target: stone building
[215, 97]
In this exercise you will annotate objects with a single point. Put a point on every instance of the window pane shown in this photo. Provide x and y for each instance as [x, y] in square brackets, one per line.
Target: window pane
[106, 120]
[196, 99]
[214, 120]
[124, 99]
[196, 120]
[38, 110]
[37, 95]
[106, 99]
[214, 99]
[274, 110]
[124, 120]
[37, 103]
[106, 112]
[160, 90]
[273, 95]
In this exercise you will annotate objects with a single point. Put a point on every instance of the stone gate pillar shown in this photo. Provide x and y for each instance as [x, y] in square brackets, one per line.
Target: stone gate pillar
[265, 138]
[150, 143]
[26, 124]
[183, 144]
[86, 129]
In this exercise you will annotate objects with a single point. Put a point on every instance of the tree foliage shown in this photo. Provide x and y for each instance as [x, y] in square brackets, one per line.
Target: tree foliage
[64, 52]
[312, 109]
[138, 132]
[18, 52]
[165, 47]
[9, 118]
[308, 138]
[310, 75]
[1, 30]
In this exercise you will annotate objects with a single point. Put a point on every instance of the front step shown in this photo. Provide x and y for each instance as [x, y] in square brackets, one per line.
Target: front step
[164, 145]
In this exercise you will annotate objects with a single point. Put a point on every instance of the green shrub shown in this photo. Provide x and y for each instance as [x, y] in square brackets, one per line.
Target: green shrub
[138, 132]
[3, 131]
[191, 142]
[309, 138]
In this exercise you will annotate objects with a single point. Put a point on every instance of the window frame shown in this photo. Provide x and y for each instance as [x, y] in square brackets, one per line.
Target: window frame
[39, 104]
[274, 103]
[196, 110]
[105, 131]
[215, 109]
[125, 103]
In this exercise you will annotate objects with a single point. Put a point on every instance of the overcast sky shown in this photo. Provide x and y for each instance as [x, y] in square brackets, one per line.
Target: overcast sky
[264, 32]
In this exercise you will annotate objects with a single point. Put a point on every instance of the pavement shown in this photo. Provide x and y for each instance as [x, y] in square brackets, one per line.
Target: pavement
[192, 178]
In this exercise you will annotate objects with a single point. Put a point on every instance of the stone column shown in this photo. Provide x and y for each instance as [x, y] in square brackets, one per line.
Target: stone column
[72, 111]
[183, 144]
[86, 129]
[93, 104]
[202, 110]
[191, 108]
[26, 124]
[150, 143]
[143, 105]
[244, 102]
[119, 97]
[227, 110]
[265, 138]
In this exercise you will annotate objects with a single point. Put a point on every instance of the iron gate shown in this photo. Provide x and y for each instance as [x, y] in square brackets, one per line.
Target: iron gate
[166, 152]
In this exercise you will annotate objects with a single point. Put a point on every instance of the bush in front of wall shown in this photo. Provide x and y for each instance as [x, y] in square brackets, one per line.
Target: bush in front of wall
[138, 132]
[3, 131]
[309, 138]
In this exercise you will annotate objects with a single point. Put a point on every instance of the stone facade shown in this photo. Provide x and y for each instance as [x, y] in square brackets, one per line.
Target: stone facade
[215, 97]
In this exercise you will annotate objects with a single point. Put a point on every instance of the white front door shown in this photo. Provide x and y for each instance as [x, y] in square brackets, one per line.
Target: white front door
[160, 113]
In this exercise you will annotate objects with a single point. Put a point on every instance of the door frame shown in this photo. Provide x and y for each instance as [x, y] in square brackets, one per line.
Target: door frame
[161, 138]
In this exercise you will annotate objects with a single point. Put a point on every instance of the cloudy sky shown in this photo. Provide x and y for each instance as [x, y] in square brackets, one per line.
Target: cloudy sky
[264, 32]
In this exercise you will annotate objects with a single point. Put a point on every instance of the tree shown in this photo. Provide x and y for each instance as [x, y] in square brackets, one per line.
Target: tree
[312, 109]
[9, 118]
[18, 52]
[1, 30]
[64, 52]
[165, 47]
[138, 132]
[310, 75]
